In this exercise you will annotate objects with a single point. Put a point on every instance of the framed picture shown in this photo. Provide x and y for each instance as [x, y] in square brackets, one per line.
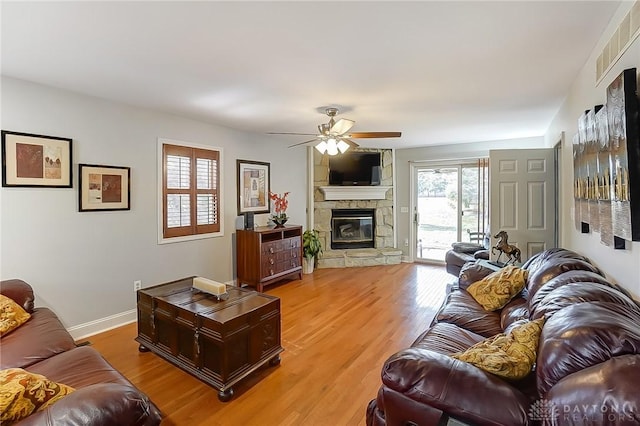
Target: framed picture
[253, 186]
[104, 187]
[30, 160]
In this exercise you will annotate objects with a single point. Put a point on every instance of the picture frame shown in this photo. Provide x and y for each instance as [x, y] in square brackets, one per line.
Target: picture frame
[254, 182]
[104, 188]
[31, 160]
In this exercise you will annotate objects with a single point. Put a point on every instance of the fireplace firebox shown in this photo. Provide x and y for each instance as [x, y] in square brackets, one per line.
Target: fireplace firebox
[352, 228]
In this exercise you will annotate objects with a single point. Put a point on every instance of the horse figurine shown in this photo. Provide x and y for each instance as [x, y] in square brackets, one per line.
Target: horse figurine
[512, 252]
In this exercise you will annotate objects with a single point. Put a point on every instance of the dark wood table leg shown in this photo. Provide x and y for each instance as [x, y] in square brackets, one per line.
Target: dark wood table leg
[225, 395]
[143, 349]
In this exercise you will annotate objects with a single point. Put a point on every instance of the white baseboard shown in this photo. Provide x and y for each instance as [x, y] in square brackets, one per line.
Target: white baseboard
[90, 328]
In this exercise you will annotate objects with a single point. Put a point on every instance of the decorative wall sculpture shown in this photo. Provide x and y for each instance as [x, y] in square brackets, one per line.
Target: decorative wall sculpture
[622, 117]
[606, 161]
[604, 178]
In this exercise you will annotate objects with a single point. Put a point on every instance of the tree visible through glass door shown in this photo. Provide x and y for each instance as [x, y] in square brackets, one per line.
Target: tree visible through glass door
[451, 205]
[437, 211]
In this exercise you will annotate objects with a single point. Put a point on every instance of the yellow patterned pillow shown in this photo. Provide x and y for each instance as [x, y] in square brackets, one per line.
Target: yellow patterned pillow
[12, 315]
[23, 393]
[497, 289]
[511, 356]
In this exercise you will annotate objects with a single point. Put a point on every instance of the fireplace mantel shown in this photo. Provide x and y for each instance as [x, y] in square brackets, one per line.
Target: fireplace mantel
[355, 192]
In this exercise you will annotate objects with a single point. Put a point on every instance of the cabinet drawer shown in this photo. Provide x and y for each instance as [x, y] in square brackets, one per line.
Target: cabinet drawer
[290, 243]
[291, 254]
[271, 247]
[268, 270]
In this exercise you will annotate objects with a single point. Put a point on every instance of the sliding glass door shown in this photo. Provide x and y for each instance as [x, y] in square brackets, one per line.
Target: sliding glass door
[451, 204]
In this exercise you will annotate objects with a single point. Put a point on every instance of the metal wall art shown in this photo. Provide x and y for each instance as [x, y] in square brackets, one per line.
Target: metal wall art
[606, 159]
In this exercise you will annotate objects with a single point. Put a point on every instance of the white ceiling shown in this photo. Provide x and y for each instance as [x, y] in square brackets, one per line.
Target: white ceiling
[440, 72]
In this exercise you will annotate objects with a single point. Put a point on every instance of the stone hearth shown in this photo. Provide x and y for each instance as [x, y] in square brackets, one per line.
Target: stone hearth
[384, 252]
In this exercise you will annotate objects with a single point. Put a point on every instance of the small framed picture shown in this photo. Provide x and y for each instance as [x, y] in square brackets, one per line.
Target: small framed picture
[30, 160]
[253, 186]
[104, 187]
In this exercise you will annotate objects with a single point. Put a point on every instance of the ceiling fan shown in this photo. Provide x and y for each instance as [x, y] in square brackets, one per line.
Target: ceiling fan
[333, 137]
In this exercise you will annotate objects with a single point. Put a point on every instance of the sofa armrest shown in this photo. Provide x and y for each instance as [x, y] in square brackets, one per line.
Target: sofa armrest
[103, 404]
[18, 291]
[481, 254]
[611, 397]
[459, 389]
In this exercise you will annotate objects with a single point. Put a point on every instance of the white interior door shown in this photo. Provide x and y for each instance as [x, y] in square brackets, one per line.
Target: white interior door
[523, 199]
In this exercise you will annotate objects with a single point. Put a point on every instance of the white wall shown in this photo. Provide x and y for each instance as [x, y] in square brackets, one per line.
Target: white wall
[83, 265]
[405, 157]
[622, 266]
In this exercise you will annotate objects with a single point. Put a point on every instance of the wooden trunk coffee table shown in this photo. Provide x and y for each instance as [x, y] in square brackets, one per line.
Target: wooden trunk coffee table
[218, 341]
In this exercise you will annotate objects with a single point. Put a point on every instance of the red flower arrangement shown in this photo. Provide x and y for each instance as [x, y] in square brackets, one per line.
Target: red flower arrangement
[281, 205]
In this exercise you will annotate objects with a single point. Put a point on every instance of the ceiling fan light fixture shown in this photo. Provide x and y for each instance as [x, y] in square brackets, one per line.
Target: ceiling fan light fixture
[342, 146]
[332, 147]
[322, 147]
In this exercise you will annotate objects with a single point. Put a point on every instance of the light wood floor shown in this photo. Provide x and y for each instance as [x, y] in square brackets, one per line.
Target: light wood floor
[338, 328]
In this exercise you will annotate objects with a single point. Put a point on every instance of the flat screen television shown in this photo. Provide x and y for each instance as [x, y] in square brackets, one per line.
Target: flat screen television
[355, 169]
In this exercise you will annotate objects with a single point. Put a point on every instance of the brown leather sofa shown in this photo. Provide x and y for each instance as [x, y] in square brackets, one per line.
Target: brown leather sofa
[588, 362]
[461, 253]
[42, 345]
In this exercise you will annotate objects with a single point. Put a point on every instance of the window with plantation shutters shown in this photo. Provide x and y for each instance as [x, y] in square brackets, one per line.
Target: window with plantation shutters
[190, 191]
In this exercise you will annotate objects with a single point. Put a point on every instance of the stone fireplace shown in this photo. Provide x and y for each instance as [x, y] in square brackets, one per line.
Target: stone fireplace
[377, 201]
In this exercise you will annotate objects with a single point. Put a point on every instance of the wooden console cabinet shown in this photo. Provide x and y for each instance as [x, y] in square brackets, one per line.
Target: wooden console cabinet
[218, 341]
[267, 254]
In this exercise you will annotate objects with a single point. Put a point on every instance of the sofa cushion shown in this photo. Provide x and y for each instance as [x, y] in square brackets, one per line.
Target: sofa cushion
[582, 335]
[471, 272]
[517, 309]
[42, 337]
[462, 310]
[573, 293]
[79, 367]
[446, 339]
[12, 315]
[24, 393]
[554, 267]
[540, 258]
[497, 289]
[511, 356]
[575, 276]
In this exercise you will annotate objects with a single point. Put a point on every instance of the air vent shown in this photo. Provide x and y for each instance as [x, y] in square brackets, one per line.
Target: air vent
[626, 33]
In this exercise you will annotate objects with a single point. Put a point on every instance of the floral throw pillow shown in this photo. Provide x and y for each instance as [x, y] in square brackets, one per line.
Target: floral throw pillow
[12, 315]
[24, 393]
[496, 290]
[510, 356]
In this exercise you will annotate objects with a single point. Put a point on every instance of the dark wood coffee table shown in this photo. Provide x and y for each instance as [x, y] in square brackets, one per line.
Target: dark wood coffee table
[218, 341]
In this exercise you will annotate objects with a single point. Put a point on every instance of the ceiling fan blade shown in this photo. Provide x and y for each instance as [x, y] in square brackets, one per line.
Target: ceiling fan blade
[341, 126]
[289, 133]
[302, 143]
[371, 135]
[351, 143]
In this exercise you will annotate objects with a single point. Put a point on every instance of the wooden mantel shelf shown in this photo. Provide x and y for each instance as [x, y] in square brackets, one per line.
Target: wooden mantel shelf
[355, 192]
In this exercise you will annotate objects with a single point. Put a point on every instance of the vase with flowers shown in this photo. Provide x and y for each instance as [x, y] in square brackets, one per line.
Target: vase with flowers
[280, 203]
